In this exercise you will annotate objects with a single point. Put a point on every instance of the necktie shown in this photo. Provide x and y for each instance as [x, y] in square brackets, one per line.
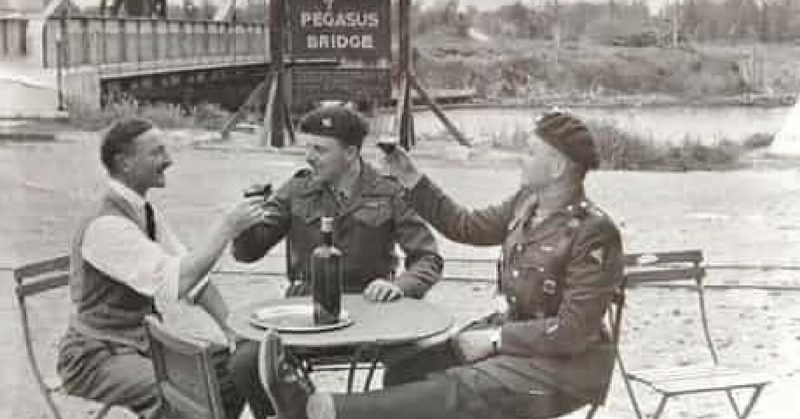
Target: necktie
[150, 221]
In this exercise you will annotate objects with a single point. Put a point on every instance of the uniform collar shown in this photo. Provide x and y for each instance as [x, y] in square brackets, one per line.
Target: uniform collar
[524, 216]
[577, 204]
[364, 183]
[349, 187]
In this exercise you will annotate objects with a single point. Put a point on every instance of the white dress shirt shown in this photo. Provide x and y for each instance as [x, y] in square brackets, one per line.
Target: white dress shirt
[120, 249]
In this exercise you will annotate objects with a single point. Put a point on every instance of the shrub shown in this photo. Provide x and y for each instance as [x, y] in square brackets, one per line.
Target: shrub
[165, 115]
[758, 140]
[623, 150]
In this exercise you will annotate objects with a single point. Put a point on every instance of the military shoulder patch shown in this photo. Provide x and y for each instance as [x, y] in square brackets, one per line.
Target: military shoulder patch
[304, 172]
[597, 255]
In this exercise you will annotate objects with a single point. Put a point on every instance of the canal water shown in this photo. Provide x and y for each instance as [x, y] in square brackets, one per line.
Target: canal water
[673, 124]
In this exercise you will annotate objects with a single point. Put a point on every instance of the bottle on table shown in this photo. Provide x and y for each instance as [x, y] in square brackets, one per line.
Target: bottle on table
[326, 275]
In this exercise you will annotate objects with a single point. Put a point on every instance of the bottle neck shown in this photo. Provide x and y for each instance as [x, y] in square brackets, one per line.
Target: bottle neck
[327, 238]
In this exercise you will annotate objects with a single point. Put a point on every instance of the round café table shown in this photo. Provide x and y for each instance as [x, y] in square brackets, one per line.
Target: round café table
[376, 329]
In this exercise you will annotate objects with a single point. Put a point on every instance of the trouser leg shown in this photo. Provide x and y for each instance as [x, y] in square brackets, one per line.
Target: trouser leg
[412, 363]
[244, 373]
[470, 392]
[429, 399]
[125, 380]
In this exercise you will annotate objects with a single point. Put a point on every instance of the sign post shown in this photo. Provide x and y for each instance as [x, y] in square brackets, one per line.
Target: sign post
[339, 50]
[407, 80]
[275, 113]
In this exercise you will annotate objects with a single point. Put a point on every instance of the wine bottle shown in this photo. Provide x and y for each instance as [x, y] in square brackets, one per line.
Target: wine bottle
[326, 272]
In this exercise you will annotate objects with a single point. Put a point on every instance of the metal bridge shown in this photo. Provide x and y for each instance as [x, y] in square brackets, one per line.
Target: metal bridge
[53, 57]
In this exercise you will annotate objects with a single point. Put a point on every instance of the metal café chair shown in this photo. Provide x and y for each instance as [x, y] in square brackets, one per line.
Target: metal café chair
[669, 382]
[185, 374]
[33, 280]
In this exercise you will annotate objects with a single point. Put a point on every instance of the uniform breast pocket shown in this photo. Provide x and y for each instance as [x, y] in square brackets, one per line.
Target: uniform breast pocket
[543, 261]
[305, 212]
[547, 257]
[373, 214]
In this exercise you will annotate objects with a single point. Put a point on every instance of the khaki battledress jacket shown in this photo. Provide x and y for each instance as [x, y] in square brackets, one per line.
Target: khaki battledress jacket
[558, 275]
[366, 228]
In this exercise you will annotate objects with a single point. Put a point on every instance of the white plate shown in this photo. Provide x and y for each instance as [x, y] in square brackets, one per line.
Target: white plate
[294, 318]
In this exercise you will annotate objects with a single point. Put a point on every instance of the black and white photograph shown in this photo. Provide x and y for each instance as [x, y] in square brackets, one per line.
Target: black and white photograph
[399, 209]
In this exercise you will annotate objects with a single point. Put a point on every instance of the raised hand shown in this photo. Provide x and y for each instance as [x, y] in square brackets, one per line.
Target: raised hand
[244, 214]
[399, 164]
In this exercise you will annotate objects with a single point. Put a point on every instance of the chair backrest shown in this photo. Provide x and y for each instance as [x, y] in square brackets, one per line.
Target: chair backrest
[670, 267]
[34, 279]
[185, 374]
[38, 277]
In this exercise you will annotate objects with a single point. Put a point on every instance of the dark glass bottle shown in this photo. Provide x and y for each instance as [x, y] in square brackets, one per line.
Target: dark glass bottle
[326, 271]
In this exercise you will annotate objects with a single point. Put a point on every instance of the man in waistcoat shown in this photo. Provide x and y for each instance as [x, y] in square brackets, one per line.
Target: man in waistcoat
[370, 219]
[549, 352]
[126, 262]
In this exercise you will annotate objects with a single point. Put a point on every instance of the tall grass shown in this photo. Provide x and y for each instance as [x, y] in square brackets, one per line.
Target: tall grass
[165, 115]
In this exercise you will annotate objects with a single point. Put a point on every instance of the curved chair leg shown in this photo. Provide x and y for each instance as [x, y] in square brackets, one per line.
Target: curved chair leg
[733, 403]
[629, 387]
[37, 373]
[660, 408]
[102, 412]
[752, 402]
[590, 414]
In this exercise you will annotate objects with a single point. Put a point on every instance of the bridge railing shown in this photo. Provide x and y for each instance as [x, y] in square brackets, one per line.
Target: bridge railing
[12, 37]
[131, 44]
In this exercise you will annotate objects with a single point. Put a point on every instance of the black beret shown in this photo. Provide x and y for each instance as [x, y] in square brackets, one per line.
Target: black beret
[570, 136]
[342, 123]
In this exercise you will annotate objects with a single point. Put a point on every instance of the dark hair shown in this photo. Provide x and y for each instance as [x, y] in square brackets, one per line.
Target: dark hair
[119, 138]
[342, 123]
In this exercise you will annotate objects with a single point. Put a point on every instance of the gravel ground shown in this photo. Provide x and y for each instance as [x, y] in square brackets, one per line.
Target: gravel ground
[740, 217]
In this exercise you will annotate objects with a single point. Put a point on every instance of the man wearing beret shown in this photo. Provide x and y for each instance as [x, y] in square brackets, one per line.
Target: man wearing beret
[549, 352]
[370, 218]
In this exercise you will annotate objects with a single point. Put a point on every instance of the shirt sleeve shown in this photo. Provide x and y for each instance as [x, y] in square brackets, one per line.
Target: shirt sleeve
[172, 245]
[119, 248]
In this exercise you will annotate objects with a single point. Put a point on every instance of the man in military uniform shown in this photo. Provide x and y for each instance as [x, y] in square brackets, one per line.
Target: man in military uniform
[370, 218]
[549, 353]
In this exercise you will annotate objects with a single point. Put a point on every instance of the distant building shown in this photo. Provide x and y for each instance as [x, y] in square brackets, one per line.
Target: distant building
[10, 6]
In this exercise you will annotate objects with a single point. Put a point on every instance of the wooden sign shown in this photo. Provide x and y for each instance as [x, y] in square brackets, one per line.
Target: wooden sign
[314, 84]
[353, 37]
[342, 30]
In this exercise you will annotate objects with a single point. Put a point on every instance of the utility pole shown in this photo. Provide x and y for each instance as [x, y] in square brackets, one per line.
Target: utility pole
[675, 14]
[611, 11]
[557, 28]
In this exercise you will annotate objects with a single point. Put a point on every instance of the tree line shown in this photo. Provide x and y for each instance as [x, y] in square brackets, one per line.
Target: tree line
[610, 21]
